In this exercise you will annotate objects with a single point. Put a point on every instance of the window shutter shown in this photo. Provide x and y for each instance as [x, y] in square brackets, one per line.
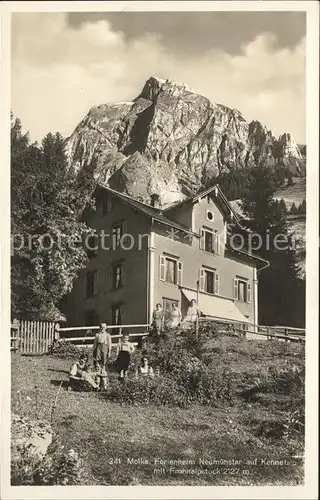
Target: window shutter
[202, 278]
[249, 293]
[216, 283]
[201, 241]
[217, 238]
[235, 289]
[180, 267]
[162, 269]
[95, 284]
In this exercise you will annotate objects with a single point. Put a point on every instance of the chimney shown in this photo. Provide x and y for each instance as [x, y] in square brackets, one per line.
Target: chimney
[155, 200]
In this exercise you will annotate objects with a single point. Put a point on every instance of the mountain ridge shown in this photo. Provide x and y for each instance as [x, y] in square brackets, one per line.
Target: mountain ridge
[172, 141]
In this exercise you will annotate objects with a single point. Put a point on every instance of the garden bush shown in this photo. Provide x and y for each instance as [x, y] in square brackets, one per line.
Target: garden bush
[184, 377]
[63, 349]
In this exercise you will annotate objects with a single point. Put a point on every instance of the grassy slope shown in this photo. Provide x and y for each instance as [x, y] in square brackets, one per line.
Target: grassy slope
[100, 430]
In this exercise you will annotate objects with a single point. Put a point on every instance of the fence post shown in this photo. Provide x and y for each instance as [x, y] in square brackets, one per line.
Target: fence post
[269, 333]
[56, 332]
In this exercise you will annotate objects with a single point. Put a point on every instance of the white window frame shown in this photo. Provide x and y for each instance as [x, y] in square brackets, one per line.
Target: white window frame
[202, 280]
[215, 240]
[178, 271]
[247, 288]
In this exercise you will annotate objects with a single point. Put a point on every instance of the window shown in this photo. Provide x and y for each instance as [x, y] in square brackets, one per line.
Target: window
[117, 314]
[210, 241]
[91, 318]
[117, 275]
[209, 281]
[116, 235]
[118, 230]
[107, 205]
[170, 270]
[242, 290]
[92, 245]
[210, 216]
[91, 283]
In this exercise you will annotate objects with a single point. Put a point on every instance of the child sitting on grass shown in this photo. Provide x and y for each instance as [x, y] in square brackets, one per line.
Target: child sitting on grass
[79, 376]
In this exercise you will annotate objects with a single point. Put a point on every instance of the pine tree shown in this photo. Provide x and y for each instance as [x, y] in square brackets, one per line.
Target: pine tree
[302, 209]
[293, 209]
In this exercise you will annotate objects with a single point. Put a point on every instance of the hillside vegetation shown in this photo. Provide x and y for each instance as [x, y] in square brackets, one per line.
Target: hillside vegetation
[251, 411]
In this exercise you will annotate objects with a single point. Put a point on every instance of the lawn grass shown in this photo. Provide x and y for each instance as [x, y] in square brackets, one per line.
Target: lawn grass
[111, 436]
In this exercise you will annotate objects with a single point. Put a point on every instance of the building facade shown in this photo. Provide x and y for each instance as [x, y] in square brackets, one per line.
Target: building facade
[140, 255]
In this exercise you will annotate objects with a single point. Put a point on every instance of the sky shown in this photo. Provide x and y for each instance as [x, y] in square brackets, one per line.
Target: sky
[65, 63]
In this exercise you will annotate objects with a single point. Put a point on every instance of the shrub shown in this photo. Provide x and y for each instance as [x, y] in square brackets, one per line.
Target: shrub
[57, 468]
[64, 349]
[184, 376]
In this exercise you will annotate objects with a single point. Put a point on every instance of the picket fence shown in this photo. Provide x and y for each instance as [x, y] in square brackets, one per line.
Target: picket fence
[32, 337]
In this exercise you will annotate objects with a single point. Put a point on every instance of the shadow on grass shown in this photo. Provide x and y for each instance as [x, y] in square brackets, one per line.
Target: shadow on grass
[57, 371]
[57, 383]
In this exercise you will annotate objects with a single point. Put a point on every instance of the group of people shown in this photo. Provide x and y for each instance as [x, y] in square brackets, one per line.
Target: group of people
[159, 324]
[97, 377]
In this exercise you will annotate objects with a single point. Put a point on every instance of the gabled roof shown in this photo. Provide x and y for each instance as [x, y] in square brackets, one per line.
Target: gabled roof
[220, 197]
[147, 210]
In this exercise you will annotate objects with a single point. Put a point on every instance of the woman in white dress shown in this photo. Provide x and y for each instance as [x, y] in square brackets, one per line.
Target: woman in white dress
[192, 314]
[175, 317]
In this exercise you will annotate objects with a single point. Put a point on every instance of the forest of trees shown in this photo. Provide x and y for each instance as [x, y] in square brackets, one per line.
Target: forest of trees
[47, 250]
[235, 183]
[281, 292]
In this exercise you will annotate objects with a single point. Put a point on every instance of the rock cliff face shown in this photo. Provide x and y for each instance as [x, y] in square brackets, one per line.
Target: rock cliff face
[172, 141]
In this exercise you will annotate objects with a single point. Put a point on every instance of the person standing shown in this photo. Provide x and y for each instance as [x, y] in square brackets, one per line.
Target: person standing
[124, 351]
[102, 346]
[157, 320]
[175, 317]
[193, 313]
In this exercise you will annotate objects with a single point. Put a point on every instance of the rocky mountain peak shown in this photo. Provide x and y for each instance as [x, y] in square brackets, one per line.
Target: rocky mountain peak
[288, 146]
[172, 141]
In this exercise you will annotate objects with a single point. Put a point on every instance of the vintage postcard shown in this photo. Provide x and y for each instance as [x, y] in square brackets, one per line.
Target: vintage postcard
[159, 249]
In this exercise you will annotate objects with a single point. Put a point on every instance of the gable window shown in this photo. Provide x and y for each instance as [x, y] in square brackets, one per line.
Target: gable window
[91, 283]
[170, 270]
[107, 205]
[117, 275]
[209, 281]
[210, 216]
[210, 241]
[242, 290]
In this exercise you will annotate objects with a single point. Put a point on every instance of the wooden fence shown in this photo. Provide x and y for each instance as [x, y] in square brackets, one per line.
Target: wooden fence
[36, 337]
[248, 330]
[32, 337]
[81, 336]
